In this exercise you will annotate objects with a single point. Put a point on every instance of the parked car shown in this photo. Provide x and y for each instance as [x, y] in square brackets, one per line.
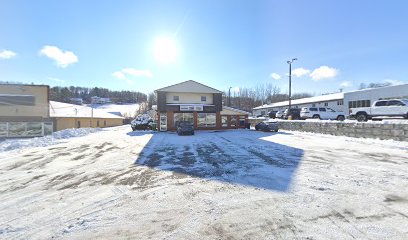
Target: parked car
[185, 128]
[142, 122]
[267, 126]
[272, 114]
[279, 114]
[293, 114]
[381, 108]
[321, 113]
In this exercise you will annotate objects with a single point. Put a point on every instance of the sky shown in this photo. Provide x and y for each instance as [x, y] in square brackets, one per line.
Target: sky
[146, 45]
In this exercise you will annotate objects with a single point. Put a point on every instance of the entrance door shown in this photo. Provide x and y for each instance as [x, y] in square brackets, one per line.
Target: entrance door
[163, 121]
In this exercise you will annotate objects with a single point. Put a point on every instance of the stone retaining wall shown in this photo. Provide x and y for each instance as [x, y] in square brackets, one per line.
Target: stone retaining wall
[397, 131]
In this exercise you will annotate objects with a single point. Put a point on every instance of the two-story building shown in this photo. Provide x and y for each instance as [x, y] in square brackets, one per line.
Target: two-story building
[197, 103]
[24, 110]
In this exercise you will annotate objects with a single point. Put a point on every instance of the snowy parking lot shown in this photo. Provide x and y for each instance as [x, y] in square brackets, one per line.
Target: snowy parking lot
[233, 184]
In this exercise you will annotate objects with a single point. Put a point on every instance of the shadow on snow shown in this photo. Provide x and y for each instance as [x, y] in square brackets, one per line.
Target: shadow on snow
[234, 156]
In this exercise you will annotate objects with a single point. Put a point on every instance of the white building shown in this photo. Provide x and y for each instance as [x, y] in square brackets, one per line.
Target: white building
[340, 101]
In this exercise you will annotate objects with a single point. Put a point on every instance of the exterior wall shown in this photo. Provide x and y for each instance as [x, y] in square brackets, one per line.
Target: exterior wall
[397, 132]
[65, 123]
[189, 98]
[399, 91]
[39, 109]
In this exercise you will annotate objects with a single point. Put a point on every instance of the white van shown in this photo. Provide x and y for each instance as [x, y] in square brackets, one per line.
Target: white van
[321, 113]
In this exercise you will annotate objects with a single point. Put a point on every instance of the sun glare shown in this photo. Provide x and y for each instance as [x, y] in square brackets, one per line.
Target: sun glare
[165, 50]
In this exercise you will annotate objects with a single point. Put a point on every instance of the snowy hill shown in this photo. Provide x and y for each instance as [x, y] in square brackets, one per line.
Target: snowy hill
[126, 110]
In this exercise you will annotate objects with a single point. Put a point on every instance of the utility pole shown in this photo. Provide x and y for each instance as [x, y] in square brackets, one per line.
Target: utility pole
[229, 97]
[290, 81]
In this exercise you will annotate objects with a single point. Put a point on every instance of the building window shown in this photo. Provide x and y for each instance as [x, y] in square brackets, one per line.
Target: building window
[97, 123]
[340, 102]
[206, 120]
[104, 123]
[78, 124]
[203, 98]
[17, 100]
[314, 105]
[233, 122]
[176, 98]
[359, 103]
[326, 104]
[242, 121]
[224, 121]
[178, 117]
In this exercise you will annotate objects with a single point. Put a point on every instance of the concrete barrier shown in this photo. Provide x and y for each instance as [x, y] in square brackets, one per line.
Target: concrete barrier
[380, 130]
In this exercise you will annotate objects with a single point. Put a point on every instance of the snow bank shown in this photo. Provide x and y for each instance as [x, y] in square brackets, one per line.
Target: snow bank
[18, 143]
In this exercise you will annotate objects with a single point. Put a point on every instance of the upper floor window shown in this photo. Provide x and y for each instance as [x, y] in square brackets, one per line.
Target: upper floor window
[176, 98]
[340, 102]
[203, 98]
[326, 104]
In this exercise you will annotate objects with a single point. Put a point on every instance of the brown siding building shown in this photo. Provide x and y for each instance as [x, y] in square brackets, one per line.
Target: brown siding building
[197, 103]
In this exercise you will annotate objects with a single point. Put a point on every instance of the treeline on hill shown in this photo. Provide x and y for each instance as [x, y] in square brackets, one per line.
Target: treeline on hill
[248, 98]
[64, 94]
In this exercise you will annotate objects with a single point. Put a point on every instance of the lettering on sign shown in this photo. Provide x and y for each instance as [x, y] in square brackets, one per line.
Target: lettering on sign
[191, 108]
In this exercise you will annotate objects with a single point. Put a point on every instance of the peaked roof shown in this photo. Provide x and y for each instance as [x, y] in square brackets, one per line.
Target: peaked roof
[59, 109]
[189, 86]
[315, 99]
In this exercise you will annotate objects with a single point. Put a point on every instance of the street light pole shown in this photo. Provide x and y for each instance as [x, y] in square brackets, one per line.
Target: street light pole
[290, 81]
[229, 97]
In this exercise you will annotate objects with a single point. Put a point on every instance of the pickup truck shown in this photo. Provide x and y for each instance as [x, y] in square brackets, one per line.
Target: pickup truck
[381, 108]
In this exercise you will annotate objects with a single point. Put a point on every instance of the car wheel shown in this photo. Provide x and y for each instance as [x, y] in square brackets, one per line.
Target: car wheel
[361, 117]
[340, 118]
[316, 116]
[256, 128]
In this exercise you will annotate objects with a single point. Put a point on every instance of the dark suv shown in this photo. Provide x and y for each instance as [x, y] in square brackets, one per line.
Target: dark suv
[293, 114]
[185, 128]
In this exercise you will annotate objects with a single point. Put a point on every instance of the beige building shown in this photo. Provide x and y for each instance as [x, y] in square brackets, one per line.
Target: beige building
[24, 110]
[67, 115]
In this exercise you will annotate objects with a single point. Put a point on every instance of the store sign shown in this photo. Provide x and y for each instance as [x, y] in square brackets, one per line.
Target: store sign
[192, 108]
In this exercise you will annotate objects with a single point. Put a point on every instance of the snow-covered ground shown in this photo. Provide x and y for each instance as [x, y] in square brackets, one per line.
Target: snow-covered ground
[128, 110]
[235, 184]
[56, 137]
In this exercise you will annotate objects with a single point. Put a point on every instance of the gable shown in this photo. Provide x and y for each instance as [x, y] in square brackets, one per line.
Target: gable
[189, 86]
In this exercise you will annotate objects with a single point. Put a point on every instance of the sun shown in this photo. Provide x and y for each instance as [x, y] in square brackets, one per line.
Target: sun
[165, 50]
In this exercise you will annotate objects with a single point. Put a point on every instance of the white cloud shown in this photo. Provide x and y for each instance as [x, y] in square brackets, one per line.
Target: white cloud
[275, 76]
[394, 82]
[298, 72]
[125, 73]
[61, 57]
[346, 84]
[323, 72]
[56, 80]
[7, 54]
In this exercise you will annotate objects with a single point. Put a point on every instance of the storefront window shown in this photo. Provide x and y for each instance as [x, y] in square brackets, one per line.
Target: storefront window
[17, 129]
[48, 128]
[233, 121]
[242, 121]
[34, 129]
[3, 129]
[224, 121]
[178, 117]
[206, 120]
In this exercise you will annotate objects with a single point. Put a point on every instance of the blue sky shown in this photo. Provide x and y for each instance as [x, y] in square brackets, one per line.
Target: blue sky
[120, 44]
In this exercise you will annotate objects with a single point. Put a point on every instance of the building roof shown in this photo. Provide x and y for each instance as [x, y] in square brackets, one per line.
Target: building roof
[189, 86]
[235, 110]
[316, 99]
[59, 109]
